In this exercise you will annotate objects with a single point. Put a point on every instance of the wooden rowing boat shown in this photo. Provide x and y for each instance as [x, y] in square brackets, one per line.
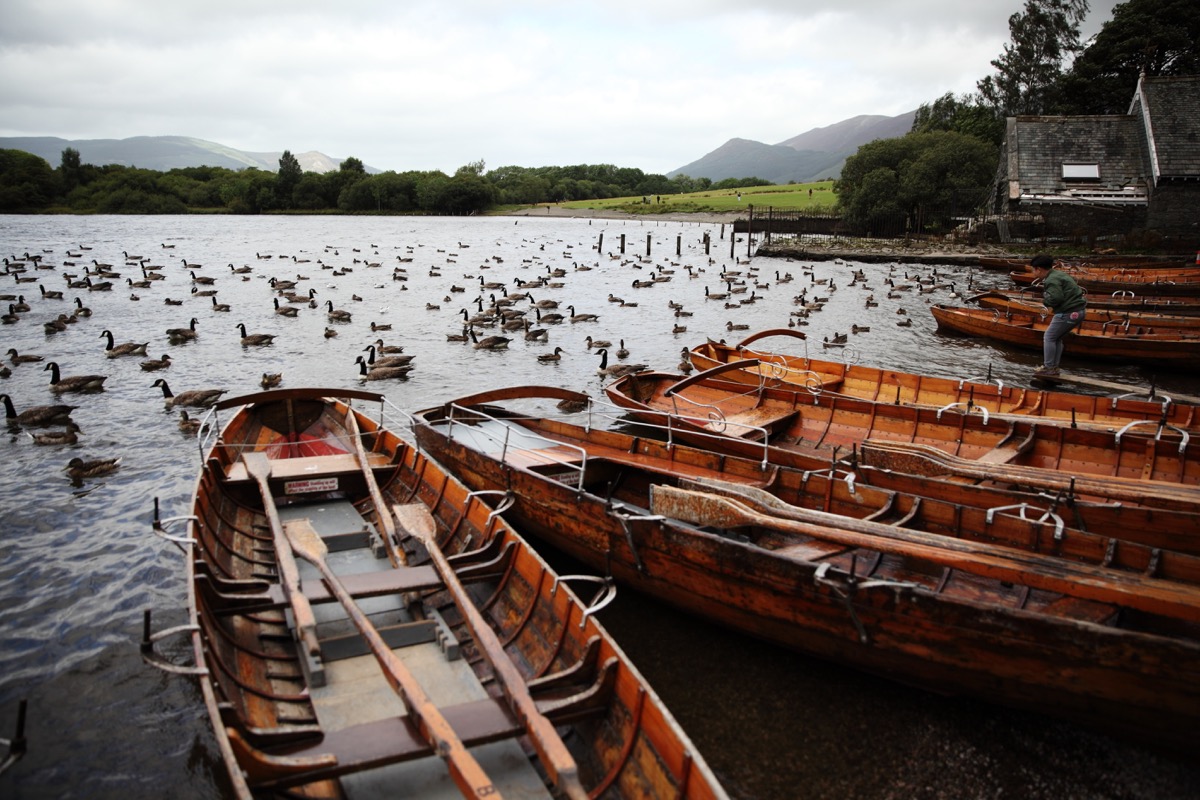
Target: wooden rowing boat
[992, 609]
[1149, 282]
[1133, 318]
[904, 388]
[1121, 301]
[364, 626]
[1145, 463]
[1110, 341]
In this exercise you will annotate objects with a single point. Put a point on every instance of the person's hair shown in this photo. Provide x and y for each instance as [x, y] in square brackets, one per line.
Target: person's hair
[1042, 262]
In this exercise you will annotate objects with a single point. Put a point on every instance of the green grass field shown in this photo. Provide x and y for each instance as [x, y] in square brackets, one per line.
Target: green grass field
[798, 196]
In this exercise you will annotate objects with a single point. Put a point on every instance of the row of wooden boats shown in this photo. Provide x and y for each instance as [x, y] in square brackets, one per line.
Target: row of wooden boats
[1124, 315]
[364, 625]
[981, 582]
[1100, 262]
[365, 618]
[979, 395]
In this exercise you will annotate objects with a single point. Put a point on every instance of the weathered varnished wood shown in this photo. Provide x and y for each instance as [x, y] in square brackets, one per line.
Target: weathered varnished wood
[903, 615]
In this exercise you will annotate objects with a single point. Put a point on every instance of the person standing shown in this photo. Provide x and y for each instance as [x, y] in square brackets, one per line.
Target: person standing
[1063, 298]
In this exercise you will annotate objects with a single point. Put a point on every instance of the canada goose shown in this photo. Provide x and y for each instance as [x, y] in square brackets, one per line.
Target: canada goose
[597, 343]
[380, 347]
[284, 311]
[678, 328]
[622, 353]
[552, 318]
[337, 314]
[386, 361]
[292, 297]
[330, 333]
[616, 370]
[685, 363]
[270, 379]
[78, 469]
[131, 258]
[551, 357]
[242, 270]
[154, 364]
[15, 358]
[572, 405]
[57, 325]
[544, 304]
[457, 337]
[126, 349]
[50, 295]
[488, 342]
[73, 383]
[187, 424]
[68, 435]
[194, 398]
[224, 307]
[714, 295]
[582, 317]
[172, 302]
[102, 286]
[36, 416]
[193, 265]
[81, 310]
[254, 339]
[381, 373]
[182, 335]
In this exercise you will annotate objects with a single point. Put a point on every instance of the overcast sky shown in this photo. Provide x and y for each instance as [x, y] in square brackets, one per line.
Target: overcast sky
[401, 85]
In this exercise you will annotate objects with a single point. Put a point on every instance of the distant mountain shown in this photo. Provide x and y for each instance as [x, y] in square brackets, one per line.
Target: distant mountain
[816, 154]
[163, 153]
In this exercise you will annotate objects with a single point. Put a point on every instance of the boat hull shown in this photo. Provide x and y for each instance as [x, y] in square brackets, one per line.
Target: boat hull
[1140, 685]
[291, 719]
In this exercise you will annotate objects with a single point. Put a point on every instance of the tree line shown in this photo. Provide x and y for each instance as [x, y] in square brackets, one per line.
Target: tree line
[28, 184]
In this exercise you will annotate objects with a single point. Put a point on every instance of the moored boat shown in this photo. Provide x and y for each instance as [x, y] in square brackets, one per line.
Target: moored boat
[1144, 462]
[365, 626]
[903, 388]
[1110, 340]
[1032, 305]
[1154, 282]
[1120, 301]
[1002, 616]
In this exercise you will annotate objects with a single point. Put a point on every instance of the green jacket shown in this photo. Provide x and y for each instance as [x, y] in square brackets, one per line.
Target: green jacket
[1061, 294]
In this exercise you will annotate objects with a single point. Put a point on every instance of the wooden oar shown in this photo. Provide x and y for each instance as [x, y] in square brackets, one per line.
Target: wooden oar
[1179, 601]
[469, 776]
[258, 466]
[394, 553]
[557, 760]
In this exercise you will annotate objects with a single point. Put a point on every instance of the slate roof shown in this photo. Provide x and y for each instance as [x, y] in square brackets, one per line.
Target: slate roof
[1038, 147]
[1170, 110]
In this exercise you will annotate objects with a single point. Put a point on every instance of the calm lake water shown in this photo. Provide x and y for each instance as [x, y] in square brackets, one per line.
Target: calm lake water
[78, 564]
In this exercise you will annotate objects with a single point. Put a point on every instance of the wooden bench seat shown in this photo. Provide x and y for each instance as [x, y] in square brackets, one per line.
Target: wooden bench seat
[309, 467]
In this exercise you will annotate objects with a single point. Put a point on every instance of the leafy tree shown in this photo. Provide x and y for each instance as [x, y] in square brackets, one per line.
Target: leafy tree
[286, 179]
[966, 114]
[927, 176]
[69, 170]
[1043, 37]
[27, 183]
[1161, 37]
[352, 165]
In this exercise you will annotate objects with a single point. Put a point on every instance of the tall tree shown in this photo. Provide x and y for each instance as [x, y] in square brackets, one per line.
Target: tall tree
[70, 169]
[286, 179]
[966, 114]
[1044, 36]
[1158, 37]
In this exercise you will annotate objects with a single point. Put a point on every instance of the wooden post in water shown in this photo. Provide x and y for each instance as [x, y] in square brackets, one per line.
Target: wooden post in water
[600, 243]
[679, 244]
[622, 244]
[648, 237]
[707, 242]
[750, 233]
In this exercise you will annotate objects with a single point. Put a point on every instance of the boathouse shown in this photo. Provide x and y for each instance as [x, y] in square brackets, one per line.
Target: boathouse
[1110, 175]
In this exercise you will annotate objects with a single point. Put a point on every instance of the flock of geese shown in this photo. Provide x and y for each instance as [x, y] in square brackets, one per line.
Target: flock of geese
[494, 311]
